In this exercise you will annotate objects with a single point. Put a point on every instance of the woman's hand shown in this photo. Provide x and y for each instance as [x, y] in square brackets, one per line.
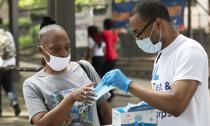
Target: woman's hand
[83, 94]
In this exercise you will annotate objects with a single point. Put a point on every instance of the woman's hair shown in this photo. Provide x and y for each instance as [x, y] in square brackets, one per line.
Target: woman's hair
[47, 24]
[94, 33]
[47, 21]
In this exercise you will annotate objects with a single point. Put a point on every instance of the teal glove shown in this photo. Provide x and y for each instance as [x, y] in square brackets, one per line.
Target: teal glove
[116, 78]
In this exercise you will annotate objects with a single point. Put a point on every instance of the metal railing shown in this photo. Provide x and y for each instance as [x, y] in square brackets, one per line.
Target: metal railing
[21, 69]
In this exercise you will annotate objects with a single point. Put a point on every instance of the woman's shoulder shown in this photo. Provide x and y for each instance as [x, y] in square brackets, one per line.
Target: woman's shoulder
[34, 78]
[90, 39]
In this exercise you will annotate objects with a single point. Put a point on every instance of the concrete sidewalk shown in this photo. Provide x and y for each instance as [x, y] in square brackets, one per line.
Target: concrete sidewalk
[8, 118]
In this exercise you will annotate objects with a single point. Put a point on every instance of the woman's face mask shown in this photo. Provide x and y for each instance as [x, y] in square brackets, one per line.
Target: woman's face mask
[57, 63]
[147, 46]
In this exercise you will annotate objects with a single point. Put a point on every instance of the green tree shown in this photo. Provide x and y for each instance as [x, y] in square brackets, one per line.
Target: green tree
[1, 3]
[43, 3]
[86, 2]
[32, 3]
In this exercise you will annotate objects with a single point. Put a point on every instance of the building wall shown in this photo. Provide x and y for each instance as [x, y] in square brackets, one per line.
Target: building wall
[209, 6]
[4, 11]
[200, 18]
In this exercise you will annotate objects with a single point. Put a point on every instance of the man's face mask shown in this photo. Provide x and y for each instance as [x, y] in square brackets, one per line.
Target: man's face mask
[57, 63]
[146, 44]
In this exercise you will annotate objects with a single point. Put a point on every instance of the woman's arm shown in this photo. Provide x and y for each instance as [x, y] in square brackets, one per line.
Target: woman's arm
[105, 113]
[56, 115]
[90, 49]
[89, 54]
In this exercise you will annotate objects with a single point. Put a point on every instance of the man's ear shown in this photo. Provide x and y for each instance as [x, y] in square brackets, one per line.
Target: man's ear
[158, 22]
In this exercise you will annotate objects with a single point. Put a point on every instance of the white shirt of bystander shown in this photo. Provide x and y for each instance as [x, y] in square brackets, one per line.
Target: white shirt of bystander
[11, 61]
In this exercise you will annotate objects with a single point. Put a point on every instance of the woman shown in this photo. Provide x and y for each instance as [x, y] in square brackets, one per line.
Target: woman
[55, 95]
[96, 49]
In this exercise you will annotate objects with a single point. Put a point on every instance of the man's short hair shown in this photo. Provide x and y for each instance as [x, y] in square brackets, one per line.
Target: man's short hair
[1, 21]
[152, 9]
[108, 24]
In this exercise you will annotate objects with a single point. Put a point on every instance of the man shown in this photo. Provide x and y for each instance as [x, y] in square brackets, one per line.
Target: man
[110, 38]
[180, 75]
[7, 56]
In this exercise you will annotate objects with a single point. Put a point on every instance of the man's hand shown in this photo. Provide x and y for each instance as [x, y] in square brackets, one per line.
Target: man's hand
[118, 79]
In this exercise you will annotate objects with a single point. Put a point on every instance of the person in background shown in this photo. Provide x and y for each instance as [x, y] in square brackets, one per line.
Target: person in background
[180, 76]
[96, 48]
[7, 55]
[56, 95]
[110, 38]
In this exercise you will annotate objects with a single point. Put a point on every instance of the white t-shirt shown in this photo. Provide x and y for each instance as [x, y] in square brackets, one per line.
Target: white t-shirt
[183, 59]
[10, 61]
[97, 51]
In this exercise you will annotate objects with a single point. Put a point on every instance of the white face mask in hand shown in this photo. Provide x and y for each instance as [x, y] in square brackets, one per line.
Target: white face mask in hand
[57, 63]
[101, 90]
[147, 46]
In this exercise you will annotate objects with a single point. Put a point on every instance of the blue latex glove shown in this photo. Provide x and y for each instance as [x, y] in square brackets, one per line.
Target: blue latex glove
[136, 124]
[118, 79]
[142, 124]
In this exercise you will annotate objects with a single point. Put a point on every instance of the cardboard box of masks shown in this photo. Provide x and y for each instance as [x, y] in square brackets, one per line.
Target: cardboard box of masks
[134, 115]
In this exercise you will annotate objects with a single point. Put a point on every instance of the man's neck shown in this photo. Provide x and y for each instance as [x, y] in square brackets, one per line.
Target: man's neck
[170, 36]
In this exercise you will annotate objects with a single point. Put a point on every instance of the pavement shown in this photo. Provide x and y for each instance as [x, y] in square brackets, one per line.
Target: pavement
[8, 119]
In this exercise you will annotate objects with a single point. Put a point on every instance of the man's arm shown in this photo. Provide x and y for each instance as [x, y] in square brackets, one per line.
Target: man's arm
[105, 112]
[174, 102]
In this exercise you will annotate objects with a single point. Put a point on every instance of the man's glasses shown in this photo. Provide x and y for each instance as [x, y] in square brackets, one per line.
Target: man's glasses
[145, 27]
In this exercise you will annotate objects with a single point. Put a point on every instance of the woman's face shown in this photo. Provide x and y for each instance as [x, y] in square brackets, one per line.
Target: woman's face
[56, 43]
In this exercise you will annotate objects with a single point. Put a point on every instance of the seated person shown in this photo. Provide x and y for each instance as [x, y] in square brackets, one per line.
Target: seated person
[56, 95]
